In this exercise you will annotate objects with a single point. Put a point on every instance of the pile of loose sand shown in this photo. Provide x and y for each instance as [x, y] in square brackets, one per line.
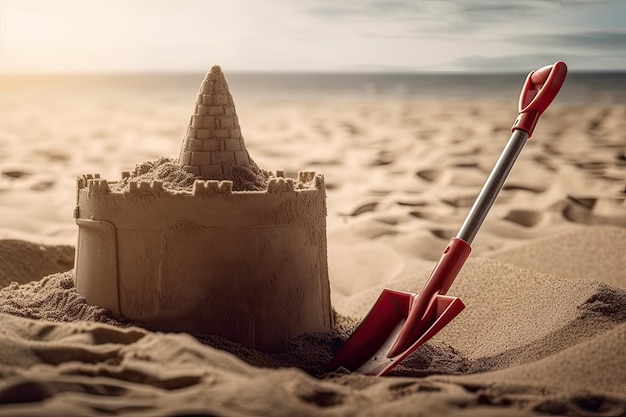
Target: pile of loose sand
[166, 170]
[175, 178]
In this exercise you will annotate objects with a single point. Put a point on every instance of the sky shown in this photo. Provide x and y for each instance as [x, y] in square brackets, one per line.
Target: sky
[310, 35]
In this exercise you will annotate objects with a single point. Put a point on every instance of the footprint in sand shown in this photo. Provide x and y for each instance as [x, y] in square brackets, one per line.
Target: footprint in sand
[546, 162]
[330, 161]
[467, 177]
[365, 208]
[512, 186]
[460, 202]
[445, 234]
[526, 218]
[351, 128]
[421, 215]
[42, 185]
[595, 211]
[581, 405]
[438, 216]
[584, 202]
[16, 174]
[595, 124]
[592, 165]
[52, 155]
[415, 203]
[467, 165]
[382, 158]
[322, 397]
[430, 175]
[103, 335]
[578, 210]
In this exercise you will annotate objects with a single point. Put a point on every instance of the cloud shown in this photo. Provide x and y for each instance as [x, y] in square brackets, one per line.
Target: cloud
[436, 18]
[477, 11]
[369, 8]
[519, 63]
[597, 40]
[530, 61]
[499, 36]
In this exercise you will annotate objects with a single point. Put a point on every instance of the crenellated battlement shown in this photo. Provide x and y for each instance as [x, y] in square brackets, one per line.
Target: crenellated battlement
[279, 184]
[98, 185]
[94, 184]
[133, 203]
[311, 179]
[82, 180]
[208, 187]
[146, 187]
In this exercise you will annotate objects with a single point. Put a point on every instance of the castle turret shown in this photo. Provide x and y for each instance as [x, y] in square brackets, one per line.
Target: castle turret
[213, 147]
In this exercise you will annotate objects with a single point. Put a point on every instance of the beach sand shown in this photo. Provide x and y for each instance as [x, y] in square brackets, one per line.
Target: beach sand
[544, 331]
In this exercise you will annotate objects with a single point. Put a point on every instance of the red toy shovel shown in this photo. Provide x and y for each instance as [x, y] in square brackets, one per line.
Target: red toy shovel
[400, 321]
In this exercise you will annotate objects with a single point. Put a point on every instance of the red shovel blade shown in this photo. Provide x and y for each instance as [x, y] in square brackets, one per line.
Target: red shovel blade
[442, 310]
[391, 308]
[367, 349]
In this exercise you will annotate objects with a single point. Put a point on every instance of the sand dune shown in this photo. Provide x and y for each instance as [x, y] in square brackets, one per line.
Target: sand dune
[545, 288]
[22, 261]
[554, 254]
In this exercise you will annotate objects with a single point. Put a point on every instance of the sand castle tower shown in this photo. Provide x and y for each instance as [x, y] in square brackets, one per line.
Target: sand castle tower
[213, 147]
[209, 243]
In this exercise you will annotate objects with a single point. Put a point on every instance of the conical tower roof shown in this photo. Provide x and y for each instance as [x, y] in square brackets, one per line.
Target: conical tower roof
[213, 147]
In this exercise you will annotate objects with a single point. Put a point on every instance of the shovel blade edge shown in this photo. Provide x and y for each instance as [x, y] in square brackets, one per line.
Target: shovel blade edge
[443, 310]
[391, 308]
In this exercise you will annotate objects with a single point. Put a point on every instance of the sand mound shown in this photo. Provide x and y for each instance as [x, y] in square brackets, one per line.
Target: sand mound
[555, 254]
[55, 298]
[51, 298]
[175, 178]
[22, 261]
[166, 170]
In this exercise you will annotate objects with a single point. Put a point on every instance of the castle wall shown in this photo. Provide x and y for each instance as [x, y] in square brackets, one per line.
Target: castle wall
[250, 266]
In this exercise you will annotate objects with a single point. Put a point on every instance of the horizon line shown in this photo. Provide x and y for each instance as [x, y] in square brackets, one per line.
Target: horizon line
[296, 72]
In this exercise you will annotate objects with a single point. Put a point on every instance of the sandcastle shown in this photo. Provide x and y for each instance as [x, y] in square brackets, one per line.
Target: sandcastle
[209, 243]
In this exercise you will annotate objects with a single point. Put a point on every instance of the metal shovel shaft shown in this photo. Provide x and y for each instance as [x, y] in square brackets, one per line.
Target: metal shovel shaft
[492, 186]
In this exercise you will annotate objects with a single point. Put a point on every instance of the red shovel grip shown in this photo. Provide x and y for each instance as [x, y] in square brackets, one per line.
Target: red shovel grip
[540, 88]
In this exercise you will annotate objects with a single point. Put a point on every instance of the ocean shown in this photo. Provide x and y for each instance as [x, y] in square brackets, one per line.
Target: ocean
[609, 87]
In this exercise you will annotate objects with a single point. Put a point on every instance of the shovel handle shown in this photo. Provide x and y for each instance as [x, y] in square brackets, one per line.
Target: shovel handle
[539, 90]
